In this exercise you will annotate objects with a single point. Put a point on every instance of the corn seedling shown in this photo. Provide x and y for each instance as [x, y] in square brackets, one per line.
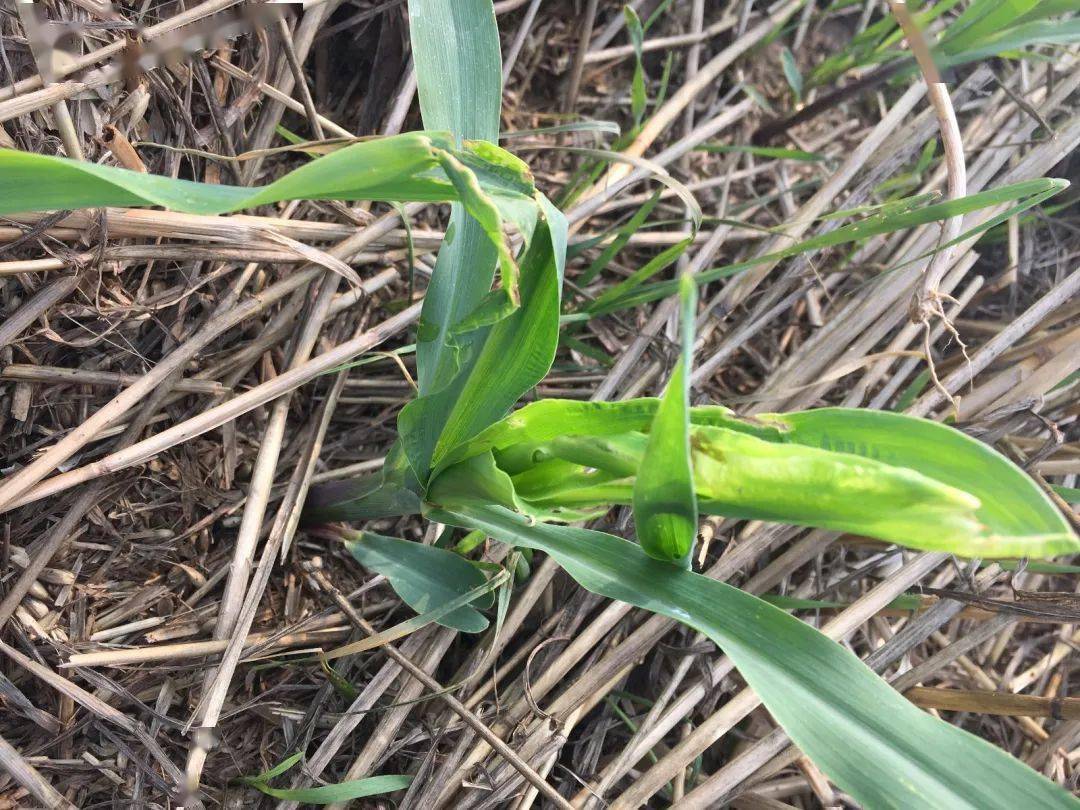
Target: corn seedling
[466, 458]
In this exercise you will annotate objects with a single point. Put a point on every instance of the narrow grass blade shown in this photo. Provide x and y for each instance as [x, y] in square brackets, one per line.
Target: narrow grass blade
[637, 83]
[1014, 40]
[282, 767]
[775, 152]
[610, 297]
[1031, 191]
[620, 241]
[792, 74]
[341, 792]
[983, 19]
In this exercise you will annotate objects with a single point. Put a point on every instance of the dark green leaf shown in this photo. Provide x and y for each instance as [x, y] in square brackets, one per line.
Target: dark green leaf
[424, 577]
[632, 226]
[392, 492]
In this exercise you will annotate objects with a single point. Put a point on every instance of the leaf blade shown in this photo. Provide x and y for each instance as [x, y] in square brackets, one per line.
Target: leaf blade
[340, 792]
[1020, 518]
[425, 577]
[665, 503]
[835, 709]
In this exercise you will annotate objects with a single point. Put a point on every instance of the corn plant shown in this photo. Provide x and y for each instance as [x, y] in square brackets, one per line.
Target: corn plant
[466, 458]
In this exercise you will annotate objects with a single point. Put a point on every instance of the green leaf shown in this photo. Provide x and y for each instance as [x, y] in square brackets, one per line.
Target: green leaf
[283, 766]
[1048, 8]
[793, 603]
[992, 222]
[464, 271]
[492, 186]
[1016, 518]
[742, 476]
[985, 28]
[339, 681]
[341, 792]
[1037, 567]
[467, 380]
[776, 152]
[620, 241]
[484, 212]
[393, 169]
[791, 73]
[510, 358]
[455, 46]
[637, 84]
[738, 475]
[425, 577]
[469, 542]
[422, 620]
[661, 8]
[866, 737]
[477, 478]
[1037, 32]
[325, 794]
[926, 157]
[492, 308]
[549, 489]
[665, 506]
[1069, 494]
[610, 297]
[544, 420]
[983, 19]
[392, 492]
[898, 478]
[889, 208]
[1031, 191]
[598, 128]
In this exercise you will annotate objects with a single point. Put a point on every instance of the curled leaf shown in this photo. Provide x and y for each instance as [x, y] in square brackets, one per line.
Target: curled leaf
[665, 505]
